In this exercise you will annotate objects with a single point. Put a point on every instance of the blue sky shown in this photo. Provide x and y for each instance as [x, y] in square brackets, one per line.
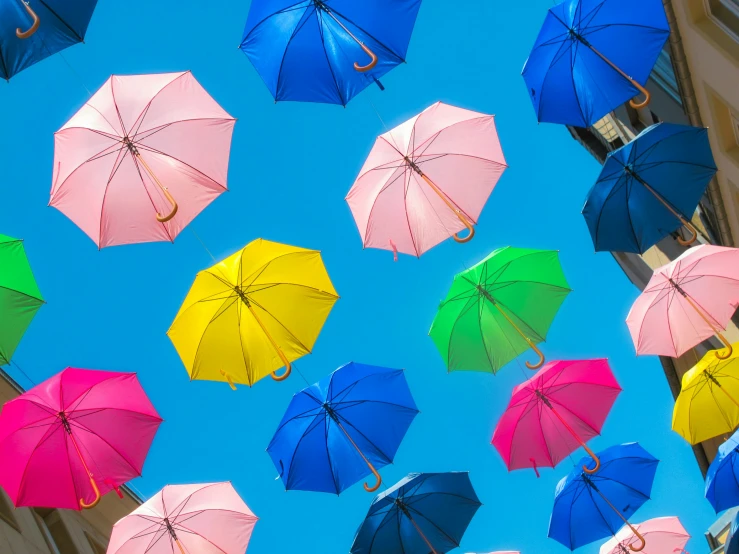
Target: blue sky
[291, 167]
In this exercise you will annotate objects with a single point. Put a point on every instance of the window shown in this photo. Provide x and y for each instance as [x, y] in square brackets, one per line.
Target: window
[59, 534]
[726, 14]
[6, 511]
[664, 75]
[606, 128]
[48, 539]
[97, 548]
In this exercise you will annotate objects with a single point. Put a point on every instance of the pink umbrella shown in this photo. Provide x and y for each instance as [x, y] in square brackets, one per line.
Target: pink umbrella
[141, 159]
[426, 180]
[686, 302]
[556, 411]
[75, 437]
[663, 535]
[186, 519]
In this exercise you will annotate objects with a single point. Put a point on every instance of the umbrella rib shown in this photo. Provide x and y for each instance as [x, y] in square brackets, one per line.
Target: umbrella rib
[154, 130]
[460, 314]
[299, 27]
[287, 9]
[247, 362]
[377, 449]
[68, 177]
[452, 154]
[23, 294]
[195, 169]
[387, 48]
[480, 308]
[311, 427]
[143, 184]
[218, 314]
[79, 38]
[46, 437]
[115, 105]
[406, 189]
[143, 113]
[114, 449]
[420, 514]
[300, 342]
[119, 161]
[385, 187]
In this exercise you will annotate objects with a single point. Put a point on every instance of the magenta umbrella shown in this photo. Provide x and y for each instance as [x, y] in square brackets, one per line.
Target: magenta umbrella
[662, 535]
[142, 158]
[686, 302]
[554, 413]
[74, 438]
[427, 180]
[210, 518]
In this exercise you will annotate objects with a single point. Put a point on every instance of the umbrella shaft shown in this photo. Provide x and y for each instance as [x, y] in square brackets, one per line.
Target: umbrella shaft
[179, 545]
[703, 316]
[457, 211]
[664, 202]
[418, 529]
[490, 299]
[366, 461]
[626, 521]
[577, 438]
[269, 337]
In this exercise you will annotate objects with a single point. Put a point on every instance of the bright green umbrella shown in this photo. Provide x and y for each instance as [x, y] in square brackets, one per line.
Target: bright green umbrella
[499, 308]
[20, 298]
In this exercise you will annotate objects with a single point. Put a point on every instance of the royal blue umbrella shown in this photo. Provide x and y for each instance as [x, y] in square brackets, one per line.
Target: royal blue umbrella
[588, 508]
[326, 51]
[649, 188]
[342, 429]
[593, 55]
[722, 479]
[732, 539]
[422, 513]
[30, 32]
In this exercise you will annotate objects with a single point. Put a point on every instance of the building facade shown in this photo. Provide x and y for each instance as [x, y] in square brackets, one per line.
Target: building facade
[45, 531]
[718, 533]
[695, 82]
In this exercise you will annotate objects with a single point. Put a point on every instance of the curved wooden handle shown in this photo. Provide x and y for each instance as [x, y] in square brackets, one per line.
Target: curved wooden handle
[230, 381]
[470, 234]
[164, 218]
[377, 477]
[595, 459]
[97, 495]
[645, 92]
[693, 235]
[34, 27]
[373, 62]
[288, 369]
[538, 364]
[729, 349]
[640, 537]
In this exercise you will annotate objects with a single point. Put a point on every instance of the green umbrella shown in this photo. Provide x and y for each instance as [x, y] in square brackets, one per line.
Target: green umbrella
[20, 298]
[499, 308]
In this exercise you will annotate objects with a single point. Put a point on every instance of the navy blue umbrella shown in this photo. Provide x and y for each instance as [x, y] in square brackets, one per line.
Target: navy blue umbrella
[591, 56]
[588, 508]
[326, 51]
[425, 512]
[649, 188]
[722, 479]
[342, 429]
[732, 539]
[30, 32]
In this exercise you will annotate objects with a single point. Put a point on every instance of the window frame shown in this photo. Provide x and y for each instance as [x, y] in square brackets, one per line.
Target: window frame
[729, 5]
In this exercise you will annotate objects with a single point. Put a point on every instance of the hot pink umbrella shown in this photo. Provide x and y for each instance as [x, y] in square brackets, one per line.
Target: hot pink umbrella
[75, 437]
[427, 179]
[686, 302]
[554, 413]
[141, 159]
[186, 519]
[663, 535]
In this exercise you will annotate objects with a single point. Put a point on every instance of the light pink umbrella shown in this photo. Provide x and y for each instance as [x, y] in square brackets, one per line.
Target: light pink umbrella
[686, 302]
[210, 518]
[75, 437]
[554, 413]
[427, 180]
[142, 158]
[662, 535]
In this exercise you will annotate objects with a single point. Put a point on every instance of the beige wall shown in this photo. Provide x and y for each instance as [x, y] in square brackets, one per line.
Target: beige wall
[22, 530]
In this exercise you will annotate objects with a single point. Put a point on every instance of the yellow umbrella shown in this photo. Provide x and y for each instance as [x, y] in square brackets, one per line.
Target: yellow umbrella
[253, 313]
[708, 404]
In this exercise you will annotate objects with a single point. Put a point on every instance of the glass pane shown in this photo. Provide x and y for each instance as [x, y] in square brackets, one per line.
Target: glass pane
[726, 12]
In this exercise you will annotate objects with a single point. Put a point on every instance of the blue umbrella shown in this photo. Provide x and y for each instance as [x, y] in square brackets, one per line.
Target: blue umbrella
[591, 507]
[732, 539]
[649, 188]
[422, 513]
[722, 479]
[593, 55]
[343, 428]
[311, 50]
[30, 32]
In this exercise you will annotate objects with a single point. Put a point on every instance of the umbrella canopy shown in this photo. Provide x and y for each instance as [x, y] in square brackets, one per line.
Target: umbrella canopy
[422, 513]
[722, 479]
[20, 298]
[591, 56]
[687, 301]
[426, 180]
[33, 31]
[708, 404]
[256, 311]
[499, 308]
[591, 507]
[75, 437]
[142, 158]
[664, 535]
[311, 50]
[554, 413]
[210, 518]
[343, 428]
[649, 188]
[732, 539]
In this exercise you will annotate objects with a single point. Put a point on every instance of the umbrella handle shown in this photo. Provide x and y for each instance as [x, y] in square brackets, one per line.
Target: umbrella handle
[288, 369]
[574, 434]
[592, 455]
[645, 92]
[228, 378]
[640, 537]
[370, 53]
[378, 477]
[637, 86]
[693, 234]
[673, 211]
[729, 349]
[97, 495]
[34, 27]
[449, 204]
[538, 364]
[469, 236]
[160, 218]
[95, 488]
